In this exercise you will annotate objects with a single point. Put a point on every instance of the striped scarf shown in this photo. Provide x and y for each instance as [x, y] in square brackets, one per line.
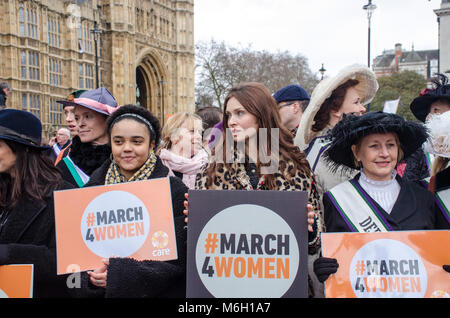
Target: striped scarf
[114, 176]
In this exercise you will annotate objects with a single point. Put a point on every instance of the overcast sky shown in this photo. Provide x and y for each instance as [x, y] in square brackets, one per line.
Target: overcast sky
[324, 31]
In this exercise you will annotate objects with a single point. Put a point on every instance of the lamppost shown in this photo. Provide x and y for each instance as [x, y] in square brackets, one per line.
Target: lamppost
[162, 82]
[369, 8]
[322, 71]
[96, 32]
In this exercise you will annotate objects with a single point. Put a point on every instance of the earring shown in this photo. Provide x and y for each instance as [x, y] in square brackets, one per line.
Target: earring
[112, 158]
[357, 163]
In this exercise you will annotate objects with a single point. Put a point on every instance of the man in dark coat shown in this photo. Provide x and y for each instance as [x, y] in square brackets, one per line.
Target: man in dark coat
[5, 89]
[292, 101]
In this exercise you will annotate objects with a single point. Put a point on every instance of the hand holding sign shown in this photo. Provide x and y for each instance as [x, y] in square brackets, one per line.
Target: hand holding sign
[324, 267]
[133, 219]
[311, 216]
[186, 206]
[99, 275]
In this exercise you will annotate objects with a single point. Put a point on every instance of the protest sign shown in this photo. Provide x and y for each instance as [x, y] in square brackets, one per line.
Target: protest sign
[132, 219]
[391, 106]
[388, 265]
[247, 244]
[16, 281]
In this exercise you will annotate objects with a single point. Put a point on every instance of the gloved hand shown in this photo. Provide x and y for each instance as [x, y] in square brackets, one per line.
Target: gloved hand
[446, 268]
[323, 267]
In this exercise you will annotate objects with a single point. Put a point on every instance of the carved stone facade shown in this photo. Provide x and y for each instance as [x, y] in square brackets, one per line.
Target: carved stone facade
[443, 14]
[145, 53]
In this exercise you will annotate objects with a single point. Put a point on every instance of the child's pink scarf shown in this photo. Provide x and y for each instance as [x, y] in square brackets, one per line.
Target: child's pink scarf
[188, 167]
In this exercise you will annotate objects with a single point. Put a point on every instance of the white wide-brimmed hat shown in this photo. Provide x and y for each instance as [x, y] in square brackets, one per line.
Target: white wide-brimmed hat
[367, 88]
[439, 130]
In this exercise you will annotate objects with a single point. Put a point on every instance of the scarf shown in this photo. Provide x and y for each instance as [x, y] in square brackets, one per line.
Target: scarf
[114, 176]
[187, 166]
[87, 156]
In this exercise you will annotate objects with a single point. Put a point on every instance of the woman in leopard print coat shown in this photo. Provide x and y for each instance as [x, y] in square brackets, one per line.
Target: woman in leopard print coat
[248, 108]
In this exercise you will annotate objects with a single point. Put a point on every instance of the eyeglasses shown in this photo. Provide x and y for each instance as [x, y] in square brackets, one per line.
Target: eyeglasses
[287, 104]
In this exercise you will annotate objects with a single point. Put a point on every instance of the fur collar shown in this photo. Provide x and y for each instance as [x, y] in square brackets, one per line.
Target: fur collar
[88, 157]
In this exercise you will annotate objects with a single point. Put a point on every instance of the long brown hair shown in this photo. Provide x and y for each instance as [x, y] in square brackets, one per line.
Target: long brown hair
[332, 103]
[439, 164]
[258, 101]
[33, 177]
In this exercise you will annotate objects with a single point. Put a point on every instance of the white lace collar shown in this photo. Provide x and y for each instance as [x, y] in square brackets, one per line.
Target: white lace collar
[375, 183]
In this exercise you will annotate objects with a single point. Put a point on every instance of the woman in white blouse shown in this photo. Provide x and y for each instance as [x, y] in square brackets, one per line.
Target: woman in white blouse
[377, 199]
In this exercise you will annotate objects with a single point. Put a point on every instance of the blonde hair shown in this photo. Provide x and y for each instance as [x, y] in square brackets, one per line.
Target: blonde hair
[174, 123]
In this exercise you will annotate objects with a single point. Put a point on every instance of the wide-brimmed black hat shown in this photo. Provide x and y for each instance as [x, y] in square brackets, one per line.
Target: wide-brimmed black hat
[420, 106]
[21, 127]
[351, 129]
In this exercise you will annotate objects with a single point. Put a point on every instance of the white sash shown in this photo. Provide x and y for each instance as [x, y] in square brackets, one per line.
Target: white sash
[56, 149]
[358, 211]
[80, 177]
[443, 201]
[430, 159]
[317, 149]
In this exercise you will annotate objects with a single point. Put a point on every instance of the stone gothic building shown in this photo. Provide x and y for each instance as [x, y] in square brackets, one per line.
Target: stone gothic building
[141, 50]
[443, 15]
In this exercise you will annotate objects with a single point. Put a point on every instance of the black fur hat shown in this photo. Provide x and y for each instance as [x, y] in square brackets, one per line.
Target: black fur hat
[420, 106]
[351, 129]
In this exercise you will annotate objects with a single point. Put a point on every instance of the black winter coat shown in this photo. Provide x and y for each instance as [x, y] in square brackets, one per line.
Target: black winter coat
[2, 100]
[28, 237]
[441, 182]
[416, 166]
[415, 209]
[128, 278]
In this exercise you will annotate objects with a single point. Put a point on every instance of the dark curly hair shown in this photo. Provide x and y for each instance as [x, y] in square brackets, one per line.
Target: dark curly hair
[332, 103]
[155, 135]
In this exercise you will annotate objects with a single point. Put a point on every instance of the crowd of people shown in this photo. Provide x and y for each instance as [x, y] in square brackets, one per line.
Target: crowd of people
[351, 164]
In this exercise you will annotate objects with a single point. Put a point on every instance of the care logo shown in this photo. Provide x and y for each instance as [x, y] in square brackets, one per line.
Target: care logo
[160, 239]
[247, 251]
[115, 223]
[387, 268]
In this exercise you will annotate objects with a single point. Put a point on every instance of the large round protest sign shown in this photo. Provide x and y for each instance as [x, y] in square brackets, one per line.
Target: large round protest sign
[247, 250]
[387, 268]
[115, 223]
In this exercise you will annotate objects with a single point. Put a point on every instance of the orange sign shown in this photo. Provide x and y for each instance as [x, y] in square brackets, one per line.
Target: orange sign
[16, 281]
[131, 219]
[388, 265]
